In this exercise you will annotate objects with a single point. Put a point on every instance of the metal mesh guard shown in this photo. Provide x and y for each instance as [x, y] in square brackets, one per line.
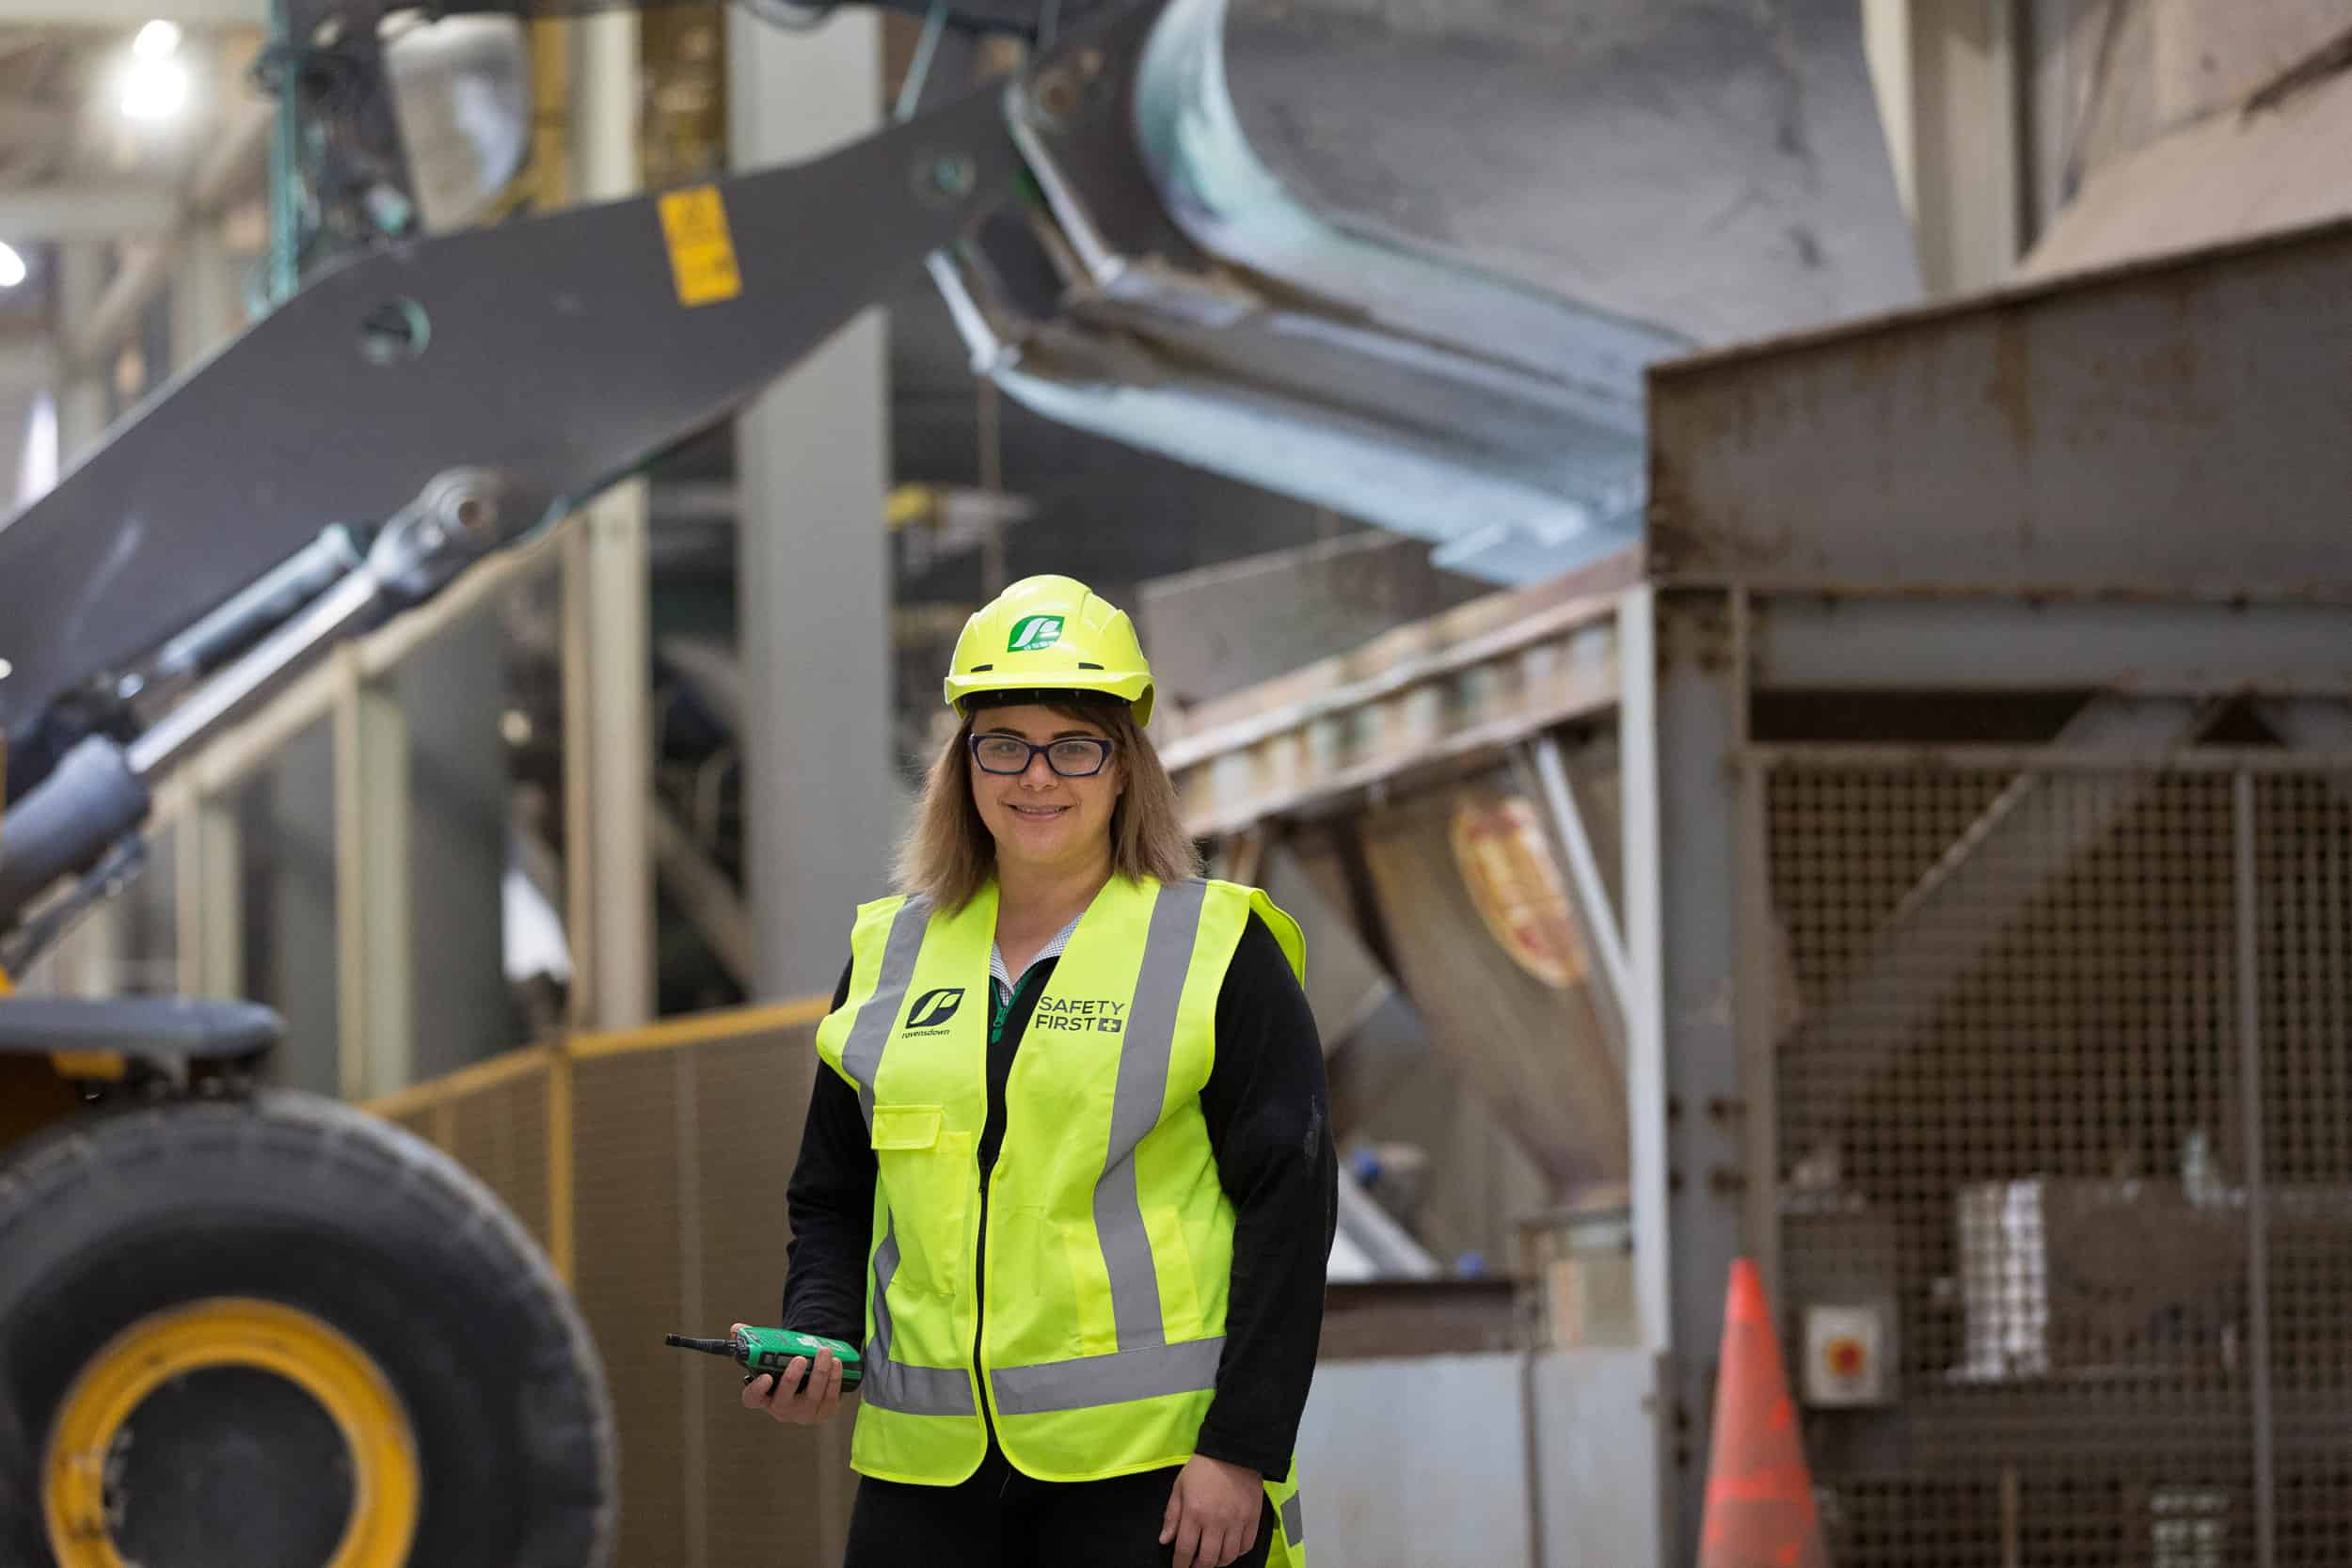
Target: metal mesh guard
[2012, 1117]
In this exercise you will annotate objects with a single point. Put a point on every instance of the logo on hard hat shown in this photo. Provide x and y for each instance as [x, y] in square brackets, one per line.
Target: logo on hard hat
[1032, 632]
[935, 1007]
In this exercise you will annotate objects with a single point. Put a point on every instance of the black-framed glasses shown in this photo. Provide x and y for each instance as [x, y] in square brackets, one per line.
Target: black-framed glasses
[1074, 756]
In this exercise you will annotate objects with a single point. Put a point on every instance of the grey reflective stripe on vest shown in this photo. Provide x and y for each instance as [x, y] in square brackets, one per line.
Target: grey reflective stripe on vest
[1146, 1047]
[889, 1386]
[1294, 1521]
[1188, 1366]
[919, 1390]
[861, 1053]
[915, 1390]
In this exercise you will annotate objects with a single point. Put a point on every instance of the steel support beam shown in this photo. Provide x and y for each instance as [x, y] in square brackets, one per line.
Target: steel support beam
[813, 588]
[2314, 724]
[2150, 647]
[375, 975]
[28, 368]
[209, 896]
[131, 13]
[1646, 1047]
[208, 915]
[231, 167]
[1684, 724]
[608, 612]
[702, 891]
[2253, 1118]
[81, 386]
[85, 211]
[204, 310]
[88, 961]
[1589, 904]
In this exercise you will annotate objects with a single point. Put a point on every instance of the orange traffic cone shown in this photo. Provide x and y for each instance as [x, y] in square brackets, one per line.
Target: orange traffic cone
[1760, 1495]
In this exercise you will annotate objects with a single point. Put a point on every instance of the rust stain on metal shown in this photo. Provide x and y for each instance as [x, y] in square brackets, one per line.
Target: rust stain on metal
[2013, 378]
[2013, 394]
[1692, 427]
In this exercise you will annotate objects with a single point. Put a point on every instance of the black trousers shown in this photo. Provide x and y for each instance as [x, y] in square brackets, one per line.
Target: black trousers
[1001, 1518]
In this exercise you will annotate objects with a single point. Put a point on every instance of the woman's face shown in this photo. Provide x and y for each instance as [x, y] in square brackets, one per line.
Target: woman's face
[1039, 818]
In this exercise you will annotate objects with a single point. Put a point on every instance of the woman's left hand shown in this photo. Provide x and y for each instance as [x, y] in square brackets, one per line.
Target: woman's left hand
[1213, 1513]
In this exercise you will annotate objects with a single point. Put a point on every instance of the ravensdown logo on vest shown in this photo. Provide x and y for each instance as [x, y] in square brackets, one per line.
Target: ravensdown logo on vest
[933, 1009]
[1032, 632]
[1084, 1015]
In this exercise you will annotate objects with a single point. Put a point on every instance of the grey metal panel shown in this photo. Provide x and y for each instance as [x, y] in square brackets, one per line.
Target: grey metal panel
[2008, 644]
[1427, 1462]
[1597, 1458]
[2172, 428]
[1417, 1464]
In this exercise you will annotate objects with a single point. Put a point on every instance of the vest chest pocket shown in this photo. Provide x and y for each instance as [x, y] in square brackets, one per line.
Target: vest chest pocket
[927, 1177]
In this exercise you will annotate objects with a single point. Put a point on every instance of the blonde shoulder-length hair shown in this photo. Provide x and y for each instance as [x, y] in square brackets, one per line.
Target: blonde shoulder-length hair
[949, 855]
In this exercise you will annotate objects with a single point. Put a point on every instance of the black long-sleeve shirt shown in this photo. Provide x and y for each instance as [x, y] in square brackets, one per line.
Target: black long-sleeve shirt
[1268, 1110]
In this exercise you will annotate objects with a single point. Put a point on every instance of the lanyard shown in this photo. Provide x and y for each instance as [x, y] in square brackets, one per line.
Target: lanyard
[1003, 1010]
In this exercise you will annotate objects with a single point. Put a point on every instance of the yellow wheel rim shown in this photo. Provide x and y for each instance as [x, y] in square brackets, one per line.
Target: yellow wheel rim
[234, 1332]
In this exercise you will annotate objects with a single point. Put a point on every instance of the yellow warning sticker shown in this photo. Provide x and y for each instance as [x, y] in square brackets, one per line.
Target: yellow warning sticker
[702, 255]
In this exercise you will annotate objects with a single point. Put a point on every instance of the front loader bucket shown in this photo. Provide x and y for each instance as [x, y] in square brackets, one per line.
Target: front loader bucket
[1411, 264]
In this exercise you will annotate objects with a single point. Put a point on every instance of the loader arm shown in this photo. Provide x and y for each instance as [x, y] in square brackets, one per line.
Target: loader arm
[556, 354]
[410, 410]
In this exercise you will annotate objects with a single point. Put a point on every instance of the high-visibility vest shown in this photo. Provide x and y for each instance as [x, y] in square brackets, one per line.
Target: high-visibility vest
[1109, 1238]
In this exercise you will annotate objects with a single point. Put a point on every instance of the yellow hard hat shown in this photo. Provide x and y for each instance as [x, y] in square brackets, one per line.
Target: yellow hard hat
[1051, 634]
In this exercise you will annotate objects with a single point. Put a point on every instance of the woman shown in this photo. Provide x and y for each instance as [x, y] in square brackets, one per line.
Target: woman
[1066, 1176]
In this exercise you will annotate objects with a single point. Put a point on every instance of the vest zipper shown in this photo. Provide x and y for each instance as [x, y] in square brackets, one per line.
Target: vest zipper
[1003, 1011]
[988, 1178]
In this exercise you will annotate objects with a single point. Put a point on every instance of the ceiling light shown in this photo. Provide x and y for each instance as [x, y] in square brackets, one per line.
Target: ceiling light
[11, 266]
[156, 40]
[155, 88]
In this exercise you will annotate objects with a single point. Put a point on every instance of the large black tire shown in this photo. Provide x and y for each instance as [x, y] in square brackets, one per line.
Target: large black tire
[301, 1201]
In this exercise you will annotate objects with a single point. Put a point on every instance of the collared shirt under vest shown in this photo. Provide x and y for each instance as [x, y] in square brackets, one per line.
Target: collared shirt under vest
[1109, 1238]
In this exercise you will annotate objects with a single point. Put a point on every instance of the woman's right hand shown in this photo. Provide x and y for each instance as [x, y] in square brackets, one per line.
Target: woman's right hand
[787, 1401]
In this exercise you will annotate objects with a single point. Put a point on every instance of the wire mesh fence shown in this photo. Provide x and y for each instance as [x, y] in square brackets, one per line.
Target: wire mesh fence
[2066, 1105]
[652, 1165]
